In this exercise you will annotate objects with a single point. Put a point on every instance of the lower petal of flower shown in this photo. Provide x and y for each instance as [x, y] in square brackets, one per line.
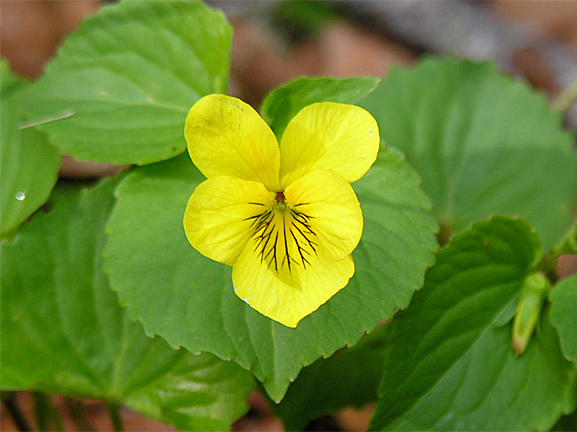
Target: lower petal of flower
[283, 272]
[219, 215]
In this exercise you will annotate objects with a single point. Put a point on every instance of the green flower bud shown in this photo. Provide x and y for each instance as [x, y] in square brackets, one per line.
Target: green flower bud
[533, 294]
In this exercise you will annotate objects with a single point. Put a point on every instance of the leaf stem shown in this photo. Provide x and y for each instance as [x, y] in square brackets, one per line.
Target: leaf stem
[46, 414]
[564, 101]
[114, 411]
[11, 404]
[77, 413]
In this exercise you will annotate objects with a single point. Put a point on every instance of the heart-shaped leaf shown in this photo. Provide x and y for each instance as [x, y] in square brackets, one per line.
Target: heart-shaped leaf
[189, 300]
[483, 143]
[451, 364]
[120, 86]
[64, 332]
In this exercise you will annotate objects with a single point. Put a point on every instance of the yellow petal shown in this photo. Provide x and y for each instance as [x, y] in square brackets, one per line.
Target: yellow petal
[328, 135]
[284, 295]
[332, 209]
[226, 136]
[219, 215]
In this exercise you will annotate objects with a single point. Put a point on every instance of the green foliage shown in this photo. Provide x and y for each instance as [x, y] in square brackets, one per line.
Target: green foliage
[189, 300]
[123, 83]
[29, 165]
[348, 378]
[568, 245]
[563, 315]
[451, 364]
[483, 143]
[567, 423]
[305, 16]
[283, 103]
[64, 332]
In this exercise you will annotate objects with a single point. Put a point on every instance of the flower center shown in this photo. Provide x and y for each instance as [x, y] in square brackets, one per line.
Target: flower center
[283, 235]
[280, 201]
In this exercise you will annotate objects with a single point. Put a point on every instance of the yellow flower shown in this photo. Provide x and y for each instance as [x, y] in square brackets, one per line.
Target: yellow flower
[284, 217]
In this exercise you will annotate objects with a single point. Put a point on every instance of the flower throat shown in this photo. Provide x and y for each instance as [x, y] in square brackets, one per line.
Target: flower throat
[283, 235]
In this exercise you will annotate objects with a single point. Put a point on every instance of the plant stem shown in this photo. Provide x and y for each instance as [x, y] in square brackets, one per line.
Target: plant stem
[567, 98]
[77, 413]
[114, 410]
[9, 401]
[46, 414]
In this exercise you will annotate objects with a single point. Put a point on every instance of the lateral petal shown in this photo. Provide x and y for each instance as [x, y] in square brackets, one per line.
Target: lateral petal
[227, 137]
[219, 215]
[329, 136]
[287, 296]
[332, 209]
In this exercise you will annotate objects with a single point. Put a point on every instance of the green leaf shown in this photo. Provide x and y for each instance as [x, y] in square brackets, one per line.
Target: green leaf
[10, 83]
[567, 423]
[568, 244]
[64, 332]
[28, 164]
[283, 103]
[563, 315]
[482, 142]
[123, 83]
[189, 300]
[304, 19]
[349, 378]
[451, 364]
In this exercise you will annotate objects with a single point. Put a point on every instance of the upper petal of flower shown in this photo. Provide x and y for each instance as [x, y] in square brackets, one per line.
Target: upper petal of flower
[331, 209]
[288, 295]
[226, 136]
[219, 215]
[328, 135]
